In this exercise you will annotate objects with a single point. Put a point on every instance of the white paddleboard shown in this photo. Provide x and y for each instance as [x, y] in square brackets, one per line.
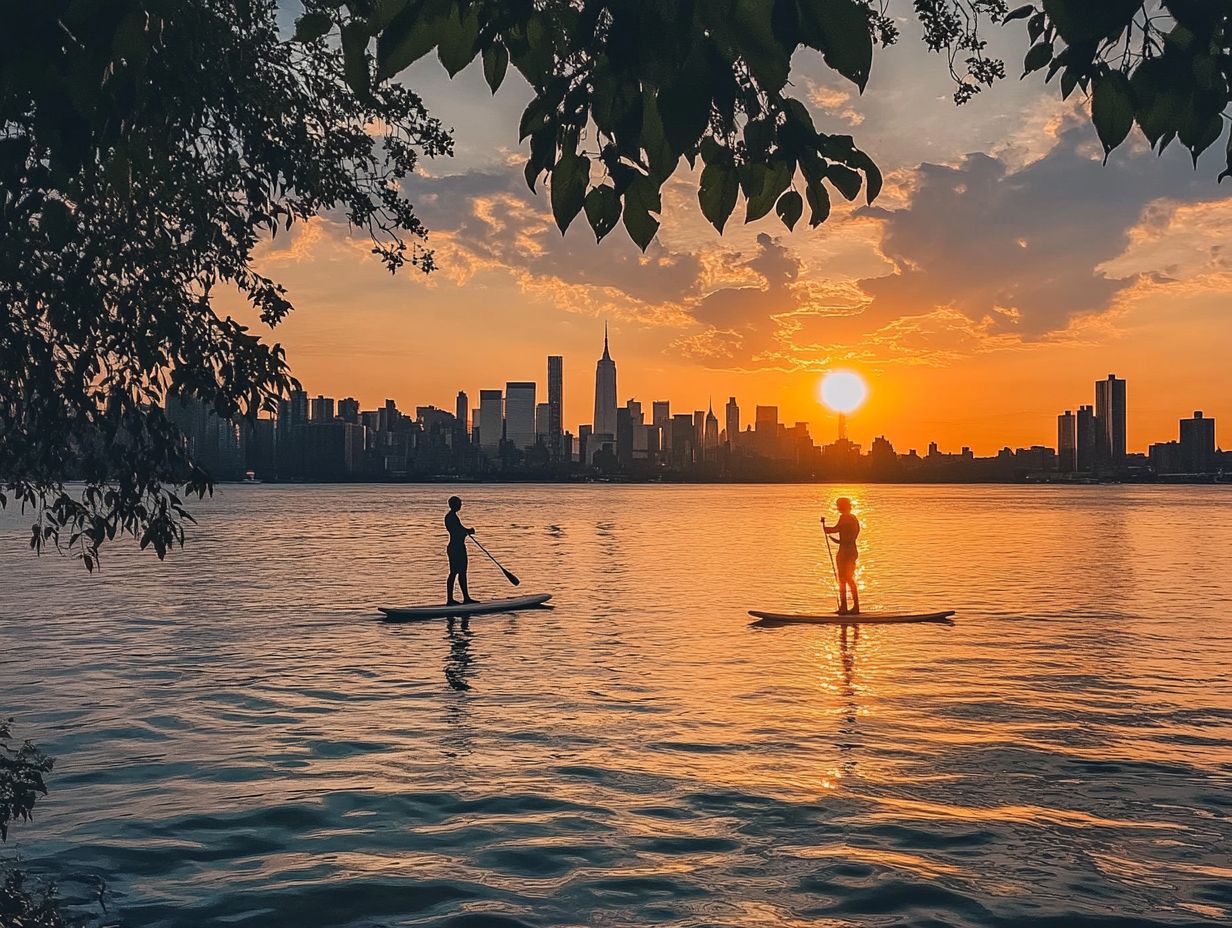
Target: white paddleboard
[864, 618]
[401, 613]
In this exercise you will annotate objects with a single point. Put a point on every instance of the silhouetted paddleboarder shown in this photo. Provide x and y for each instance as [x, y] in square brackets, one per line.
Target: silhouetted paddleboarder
[847, 528]
[456, 550]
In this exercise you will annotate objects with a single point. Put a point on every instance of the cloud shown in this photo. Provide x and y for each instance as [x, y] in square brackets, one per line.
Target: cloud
[1022, 251]
[984, 254]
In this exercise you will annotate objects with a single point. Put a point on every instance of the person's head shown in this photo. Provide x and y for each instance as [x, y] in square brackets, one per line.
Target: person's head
[455, 503]
[843, 505]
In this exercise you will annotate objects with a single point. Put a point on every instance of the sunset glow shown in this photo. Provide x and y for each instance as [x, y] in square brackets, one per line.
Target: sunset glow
[843, 391]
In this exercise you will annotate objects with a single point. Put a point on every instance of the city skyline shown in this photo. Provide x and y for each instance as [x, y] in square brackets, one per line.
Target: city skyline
[528, 413]
[972, 311]
[509, 433]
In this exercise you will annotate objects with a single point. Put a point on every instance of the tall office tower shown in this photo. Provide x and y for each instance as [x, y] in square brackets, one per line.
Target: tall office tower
[390, 419]
[323, 409]
[297, 409]
[543, 414]
[556, 387]
[682, 430]
[624, 436]
[491, 419]
[1086, 442]
[348, 410]
[732, 420]
[1067, 442]
[635, 413]
[605, 392]
[583, 442]
[1197, 444]
[520, 413]
[766, 431]
[699, 432]
[661, 419]
[462, 410]
[1110, 421]
[710, 436]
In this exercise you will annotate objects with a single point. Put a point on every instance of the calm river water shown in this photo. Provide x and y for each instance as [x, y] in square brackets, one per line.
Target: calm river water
[240, 742]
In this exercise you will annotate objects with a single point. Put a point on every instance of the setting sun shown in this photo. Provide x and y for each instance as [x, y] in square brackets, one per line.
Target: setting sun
[843, 391]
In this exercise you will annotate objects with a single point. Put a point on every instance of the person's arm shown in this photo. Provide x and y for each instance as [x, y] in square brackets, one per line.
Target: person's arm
[830, 529]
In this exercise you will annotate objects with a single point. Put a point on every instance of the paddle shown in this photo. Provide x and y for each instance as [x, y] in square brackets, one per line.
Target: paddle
[837, 597]
[509, 574]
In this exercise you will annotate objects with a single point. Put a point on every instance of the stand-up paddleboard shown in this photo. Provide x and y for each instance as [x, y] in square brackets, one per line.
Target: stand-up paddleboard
[864, 618]
[405, 613]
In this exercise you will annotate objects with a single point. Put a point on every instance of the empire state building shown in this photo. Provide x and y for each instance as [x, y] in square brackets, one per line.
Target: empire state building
[605, 393]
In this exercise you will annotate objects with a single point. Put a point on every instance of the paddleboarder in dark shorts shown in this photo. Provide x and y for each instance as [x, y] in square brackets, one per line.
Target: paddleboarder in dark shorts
[456, 550]
[847, 528]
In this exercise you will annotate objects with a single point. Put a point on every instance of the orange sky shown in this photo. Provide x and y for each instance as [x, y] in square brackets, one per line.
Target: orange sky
[1002, 272]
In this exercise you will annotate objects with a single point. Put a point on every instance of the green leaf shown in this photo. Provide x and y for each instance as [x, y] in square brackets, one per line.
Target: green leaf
[602, 210]
[1201, 132]
[1035, 27]
[789, 208]
[717, 193]
[773, 181]
[641, 200]
[1158, 108]
[661, 156]
[535, 117]
[842, 32]
[845, 179]
[355, 57]
[1037, 57]
[1081, 22]
[763, 53]
[684, 104]
[411, 35]
[457, 46]
[55, 222]
[495, 64]
[819, 204]
[312, 26]
[1112, 109]
[569, 179]
[384, 12]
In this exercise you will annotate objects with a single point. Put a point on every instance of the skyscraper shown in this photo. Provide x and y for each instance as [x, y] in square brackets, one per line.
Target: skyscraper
[520, 413]
[462, 412]
[1086, 439]
[1110, 421]
[710, 438]
[732, 422]
[296, 409]
[1067, 442]
[556, 382]
[661, 418]
[323, 409]
[491, 419]
[1197, 444]
[605, 393]
[348, 410]
[543, 414]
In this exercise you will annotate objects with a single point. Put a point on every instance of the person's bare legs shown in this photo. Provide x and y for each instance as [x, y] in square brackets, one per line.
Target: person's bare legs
[466, 593]
[855, 595]
[449, 600]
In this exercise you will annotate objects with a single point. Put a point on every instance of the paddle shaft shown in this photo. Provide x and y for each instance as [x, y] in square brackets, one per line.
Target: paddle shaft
[509, 575]
[838, 597]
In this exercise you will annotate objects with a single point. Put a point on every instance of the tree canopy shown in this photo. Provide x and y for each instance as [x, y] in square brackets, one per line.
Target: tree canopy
[148, 146]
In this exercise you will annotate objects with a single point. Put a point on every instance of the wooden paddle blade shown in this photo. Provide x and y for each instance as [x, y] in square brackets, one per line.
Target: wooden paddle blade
[509, 575]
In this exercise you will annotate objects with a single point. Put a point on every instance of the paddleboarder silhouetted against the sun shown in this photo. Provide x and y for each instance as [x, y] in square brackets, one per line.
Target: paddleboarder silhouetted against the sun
[457, 552]
[847, 528]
